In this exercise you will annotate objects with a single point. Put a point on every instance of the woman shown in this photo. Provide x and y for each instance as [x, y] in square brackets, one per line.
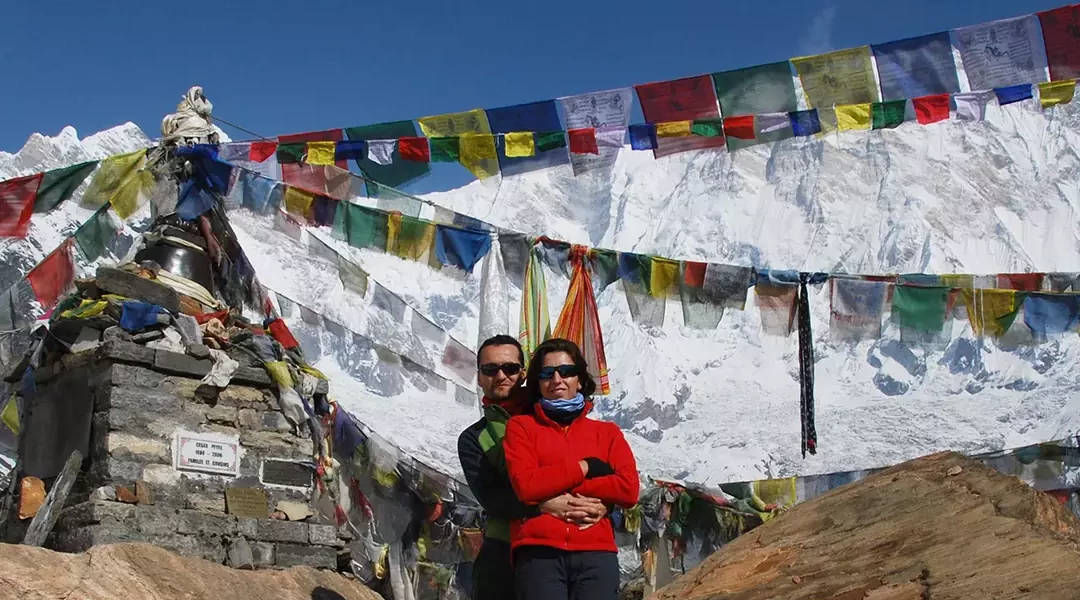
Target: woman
[557, 449]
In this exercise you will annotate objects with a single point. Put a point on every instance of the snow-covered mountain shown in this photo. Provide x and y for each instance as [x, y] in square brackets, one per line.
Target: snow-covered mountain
[716, 406]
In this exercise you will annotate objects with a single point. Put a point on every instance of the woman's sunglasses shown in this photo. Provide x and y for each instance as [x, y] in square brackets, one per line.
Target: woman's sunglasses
[491, 369]
[564, 371]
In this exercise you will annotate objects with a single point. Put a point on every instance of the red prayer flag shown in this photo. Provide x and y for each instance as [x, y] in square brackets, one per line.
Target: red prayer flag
[280, 332]
[694, 274]
[414, 149]
[313, 180]
[741, 127]
[1021, 282]
[583, 141]
[683, 99]
[17, 204]
[53, 275]
[931, 109]
[1061, 35]
[261, 151]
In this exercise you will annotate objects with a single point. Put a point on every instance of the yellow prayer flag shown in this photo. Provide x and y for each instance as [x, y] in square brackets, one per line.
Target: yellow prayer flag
[478, 154]
[781, 492]
[837, 78]
[298, 201]
[279, 372]
[121, 181]
[960, 281]
[519, 143]
[10, 415]
[852, 117]
[476, 144]
[455, 124]
[393, 228]
[663, 273]
[992, 311]
[321, 153]
[1056, 92]
[674, 129]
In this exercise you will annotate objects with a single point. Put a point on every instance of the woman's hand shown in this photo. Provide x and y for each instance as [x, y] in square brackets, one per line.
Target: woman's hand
[580, 510]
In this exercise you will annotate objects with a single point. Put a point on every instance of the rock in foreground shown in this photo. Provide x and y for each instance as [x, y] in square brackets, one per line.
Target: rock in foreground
[939, 527]
[147, 572]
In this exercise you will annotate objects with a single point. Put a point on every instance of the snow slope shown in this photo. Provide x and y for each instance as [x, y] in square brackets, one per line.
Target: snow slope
[716, 406]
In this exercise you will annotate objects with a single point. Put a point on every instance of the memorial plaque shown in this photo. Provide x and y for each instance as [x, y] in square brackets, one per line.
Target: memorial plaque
[207, 453]
[286, 472]
[247, 502]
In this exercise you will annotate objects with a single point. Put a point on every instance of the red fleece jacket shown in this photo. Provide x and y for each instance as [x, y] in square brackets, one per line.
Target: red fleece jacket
[542, 458]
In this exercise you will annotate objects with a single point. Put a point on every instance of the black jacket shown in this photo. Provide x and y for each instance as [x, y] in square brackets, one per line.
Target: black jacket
[491, 488]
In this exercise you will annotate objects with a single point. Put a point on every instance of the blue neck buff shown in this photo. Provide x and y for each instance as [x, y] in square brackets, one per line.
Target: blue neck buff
[562, 406]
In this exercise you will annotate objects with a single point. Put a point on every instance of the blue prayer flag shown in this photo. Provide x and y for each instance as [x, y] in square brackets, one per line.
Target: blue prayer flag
[633, 268]
[350, 150]
[916, 67]
[1013, 93]
[194, 201]
[261, 194]
[347, 436]
[805, 122]
[643, 137]
[462, 248]
[534, 116]
[919, 279]
[136, 316]
[323, 211]
[1051, 314]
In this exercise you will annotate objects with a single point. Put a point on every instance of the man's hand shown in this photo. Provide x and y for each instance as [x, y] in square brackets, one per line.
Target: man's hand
[580, 510]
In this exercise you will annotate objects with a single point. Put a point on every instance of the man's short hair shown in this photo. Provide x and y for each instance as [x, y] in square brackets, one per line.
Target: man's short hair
[501, 340]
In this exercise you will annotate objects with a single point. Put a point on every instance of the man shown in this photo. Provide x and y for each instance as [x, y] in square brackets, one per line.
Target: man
[500, 363]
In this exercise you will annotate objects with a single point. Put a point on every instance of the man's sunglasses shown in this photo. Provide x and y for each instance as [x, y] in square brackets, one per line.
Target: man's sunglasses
[491, 369]
[564, 371]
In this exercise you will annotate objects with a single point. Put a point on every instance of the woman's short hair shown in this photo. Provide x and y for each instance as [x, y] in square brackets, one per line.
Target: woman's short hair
[532, 376]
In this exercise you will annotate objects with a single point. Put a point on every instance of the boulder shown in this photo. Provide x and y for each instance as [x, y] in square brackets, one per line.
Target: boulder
[151, 573]
[941, 527]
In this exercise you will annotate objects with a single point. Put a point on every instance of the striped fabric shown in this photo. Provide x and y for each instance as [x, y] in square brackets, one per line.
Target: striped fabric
[535, 320]
[580, 323]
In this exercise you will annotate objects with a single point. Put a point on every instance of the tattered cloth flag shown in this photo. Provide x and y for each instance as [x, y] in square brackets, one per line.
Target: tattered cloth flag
[663, 277]
[887, 115]
[414, 148]
[643, 137]
[992, 311]
[1001, 53]
[843, 77]
[52, 277]
[741, 127]
[535, 325]
[857, 306]
[1059, 27]
[17, 204]
[94, 237]
[921, 309]
[805, 122]
[635, 271]
[1051, 314]
[673, 129]
[460, 360]
[806, 370]
[852, 117]
[916, 67]
[445, 149]
[59, 184]
[707, 289]
[1021, 282]
[579, 321]
[462, 248]
[971, 106]
[381, 152]
[1056, 92]
[321, 153]
[583, 141]
[515, 255]
[388, 301]
[604, 266]
[1013, 93]
[608, 113]
[120, 181]
[776, 303]
[414, 238]
[361, 227]
[519, 144]
[931, 109]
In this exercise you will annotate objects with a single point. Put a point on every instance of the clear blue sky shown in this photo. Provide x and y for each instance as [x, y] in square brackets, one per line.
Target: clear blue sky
[286, 67]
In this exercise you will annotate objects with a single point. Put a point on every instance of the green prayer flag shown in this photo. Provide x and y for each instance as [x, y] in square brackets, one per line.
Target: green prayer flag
[445, 149]
[920, 308]
[550, 140]
[291, 153]
[415, 237]
[399, 171]
[756, 90]
[604, 265]
[708, 127]
[97, 234]
[392, 200]
[365, 227]
[886, 115]
[59, 184]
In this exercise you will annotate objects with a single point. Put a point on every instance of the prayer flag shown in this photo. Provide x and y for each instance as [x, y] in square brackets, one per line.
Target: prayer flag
[351, 150]
[856, 308]
[992, 311]
[414, 149]
[477, 145]
[740, 127]
[494, 297]
[260, 151]
[921, 309]
[194, 201]
[579, 322]
[386, 300]
[931, 109]
[583, 141]
[531, 117]
[688, 98]
[519, 144]
[462, 248]
[887, 115]
[120, 181]
[707, 290]
[851, 117]
[10, 415]
[643, 137]
[515, 254]
[805, 122]
[323, 211]
[1059, 31]
[1011, 94]
[478, 154]
[535, 323]
[606, 112]
[288, 154]
[382, 152]
[1051, 314]
[50, 278]
[550, 140]
[772, 126]
[363, 227]
[1054, 93]
[1001, 54]
[414, 238]
[297, 201]
[673, 129]
[94, 237]
[604, 265]
[635, 273]
[321, 153]
[58, 185]
[776, 303]
[760, 90]
[708, 127]
[1022, 282]
[444, 149]
[304, 175]
[663, 275]
[843, 77]
[17, 204]
[398, 172]
[972, 106]
[916, 67]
